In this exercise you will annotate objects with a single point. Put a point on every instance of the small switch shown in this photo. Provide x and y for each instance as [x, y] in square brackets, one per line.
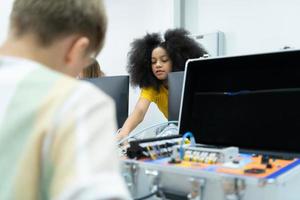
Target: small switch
[269, 166]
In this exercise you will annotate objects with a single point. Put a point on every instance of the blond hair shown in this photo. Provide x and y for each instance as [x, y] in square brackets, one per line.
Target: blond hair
[50, 20]
[92, 71]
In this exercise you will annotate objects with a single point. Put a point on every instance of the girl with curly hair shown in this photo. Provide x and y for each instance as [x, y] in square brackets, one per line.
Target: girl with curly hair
[151, 58]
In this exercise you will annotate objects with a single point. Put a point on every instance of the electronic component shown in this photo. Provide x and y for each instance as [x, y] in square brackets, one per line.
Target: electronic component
[207, 155]
[153, 147]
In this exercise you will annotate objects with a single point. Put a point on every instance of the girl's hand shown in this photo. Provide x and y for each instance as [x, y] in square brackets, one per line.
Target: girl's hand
[120, 136]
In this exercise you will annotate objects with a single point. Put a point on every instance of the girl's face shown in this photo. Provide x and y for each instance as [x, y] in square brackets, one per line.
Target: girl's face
[161, 63]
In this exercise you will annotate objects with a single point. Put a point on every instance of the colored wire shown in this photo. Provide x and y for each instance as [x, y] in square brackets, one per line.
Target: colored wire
[184, 137]
[153, 157]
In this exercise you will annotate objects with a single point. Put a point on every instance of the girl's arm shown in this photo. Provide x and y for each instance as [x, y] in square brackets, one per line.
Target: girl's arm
[134, 118]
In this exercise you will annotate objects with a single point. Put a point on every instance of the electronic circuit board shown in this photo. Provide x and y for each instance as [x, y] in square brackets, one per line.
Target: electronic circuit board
[244, 165]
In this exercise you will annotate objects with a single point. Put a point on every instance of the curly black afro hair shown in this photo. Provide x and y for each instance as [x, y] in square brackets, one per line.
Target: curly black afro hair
[179, 46]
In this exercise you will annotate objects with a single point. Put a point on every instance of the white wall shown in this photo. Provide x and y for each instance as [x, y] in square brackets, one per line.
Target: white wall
[128, 20]
[251, 25]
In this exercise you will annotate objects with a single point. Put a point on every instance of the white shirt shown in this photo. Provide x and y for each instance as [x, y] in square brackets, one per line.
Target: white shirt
[56, 136]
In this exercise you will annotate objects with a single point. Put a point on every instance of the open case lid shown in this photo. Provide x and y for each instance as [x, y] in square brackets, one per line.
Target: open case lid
[249, 101]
